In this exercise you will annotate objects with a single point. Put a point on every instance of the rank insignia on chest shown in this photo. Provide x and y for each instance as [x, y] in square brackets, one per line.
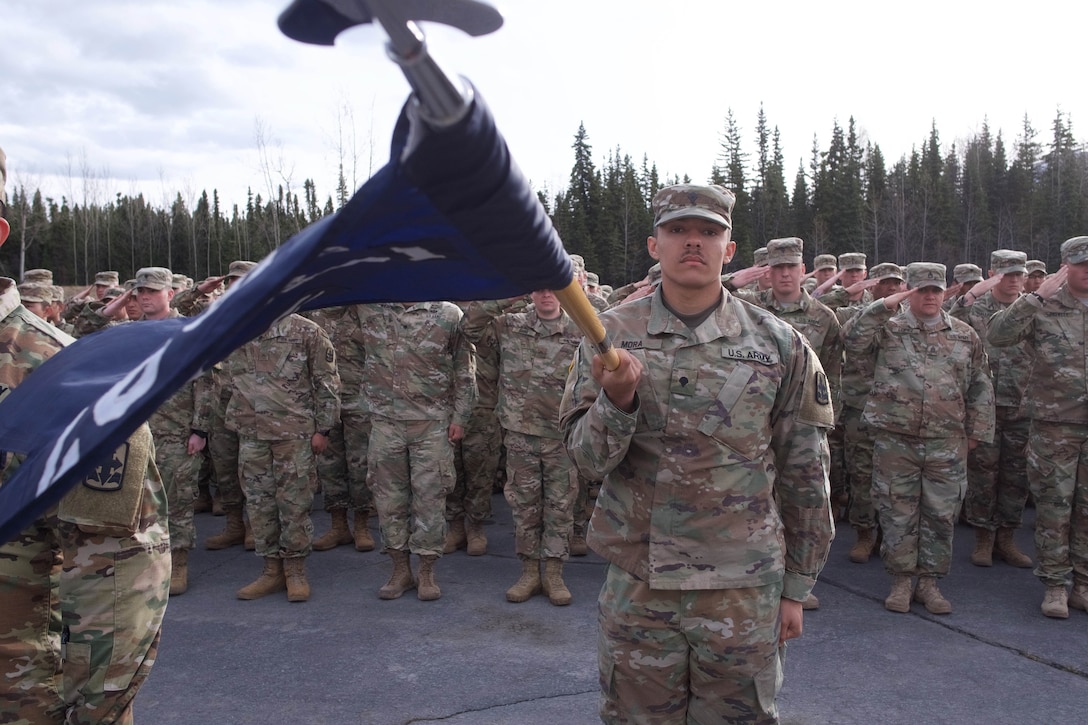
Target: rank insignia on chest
[823, 392]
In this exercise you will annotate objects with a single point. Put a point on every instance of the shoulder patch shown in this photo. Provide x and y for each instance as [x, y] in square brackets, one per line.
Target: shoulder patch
[823, 390]
[111, 476]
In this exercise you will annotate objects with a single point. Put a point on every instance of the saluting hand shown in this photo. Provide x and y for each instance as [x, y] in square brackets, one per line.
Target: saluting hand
[619, 384]
[748, 275]
[892, 301]
[981, 288]
[1053, 283]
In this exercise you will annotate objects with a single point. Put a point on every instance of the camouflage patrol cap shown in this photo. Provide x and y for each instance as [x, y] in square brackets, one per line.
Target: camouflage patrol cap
[107, 279]
[759, 257]
[852, 260]
[130, 284]
[38, 276]
[239, 268]
[29, 292]
[967, 273]
[1006, 261]
[785, 251]
[886, 270]
[593, 278]
[926, 274]
[578, 261]
[824, 261]
[713, 203]
[179, 281]
[58, 293]
[113, 293]
[1075, 250]
[606, 289]
[1035, 265]
[154, 278]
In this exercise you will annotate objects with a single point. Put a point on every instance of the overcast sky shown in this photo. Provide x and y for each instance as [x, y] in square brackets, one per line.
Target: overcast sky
[163, 97]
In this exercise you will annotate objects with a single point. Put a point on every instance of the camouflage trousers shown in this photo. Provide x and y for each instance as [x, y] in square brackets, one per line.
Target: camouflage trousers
[341, 469]
[837, 473]
[223, 450]
[700, 656]
[582, 508]
[278, 479]
[918, 485]
[80, 621]
[997, 475]
[179, 473]
[471, 496]
[411, 473]
[1057, 463]
[541, 485]
[858, 449]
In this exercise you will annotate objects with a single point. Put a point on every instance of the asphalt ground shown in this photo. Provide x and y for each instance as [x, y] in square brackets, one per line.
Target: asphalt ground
[473, 658]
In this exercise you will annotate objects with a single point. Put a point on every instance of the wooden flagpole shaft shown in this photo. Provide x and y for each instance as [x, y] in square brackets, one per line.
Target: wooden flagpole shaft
[574, 301]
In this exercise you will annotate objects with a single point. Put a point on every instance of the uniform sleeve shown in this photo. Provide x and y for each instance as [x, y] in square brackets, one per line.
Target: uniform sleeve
[979, 413]
[324, 380]
[1014, 323]
[464, 376]
[802, 415]
[859, 335]
[203, 392]
[597, 433]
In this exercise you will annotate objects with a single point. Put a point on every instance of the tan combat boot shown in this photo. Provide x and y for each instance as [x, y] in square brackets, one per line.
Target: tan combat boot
[528, 584]
[202, 504]
[270, 581]
[983, 555]
[337, 535]
[928, 594]
[863, 549]
[456, 537]
[1056, 603]
[179, 571]
[217, 506]
[1005, 549]
[294, 570]
[233, 533]
[428, 589]
[401, 579]
[553, 584]
[899, 598]
[1079, 597]
[578, 546]
[476, 538]
[364, 541]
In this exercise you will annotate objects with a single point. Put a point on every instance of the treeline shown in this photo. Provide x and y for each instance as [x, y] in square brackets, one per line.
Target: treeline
[940, 203]
[945, 204]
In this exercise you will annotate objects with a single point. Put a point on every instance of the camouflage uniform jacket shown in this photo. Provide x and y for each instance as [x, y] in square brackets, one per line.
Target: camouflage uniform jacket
[1055, 332]
[930, 382]
[26, 341]
[817, 323]
[419, 365]
[285, 384]
[534, 359]
[1010, 367]
[344, 331]
[179, 415]
[476, 327]
[719, 478]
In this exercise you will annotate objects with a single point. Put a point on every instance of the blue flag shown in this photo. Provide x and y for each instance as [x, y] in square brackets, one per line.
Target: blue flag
[449, 218]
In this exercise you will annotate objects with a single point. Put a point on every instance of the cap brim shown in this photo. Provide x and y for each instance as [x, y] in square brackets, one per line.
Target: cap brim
[1076, 258]
[693, 211]
[1014, 269]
